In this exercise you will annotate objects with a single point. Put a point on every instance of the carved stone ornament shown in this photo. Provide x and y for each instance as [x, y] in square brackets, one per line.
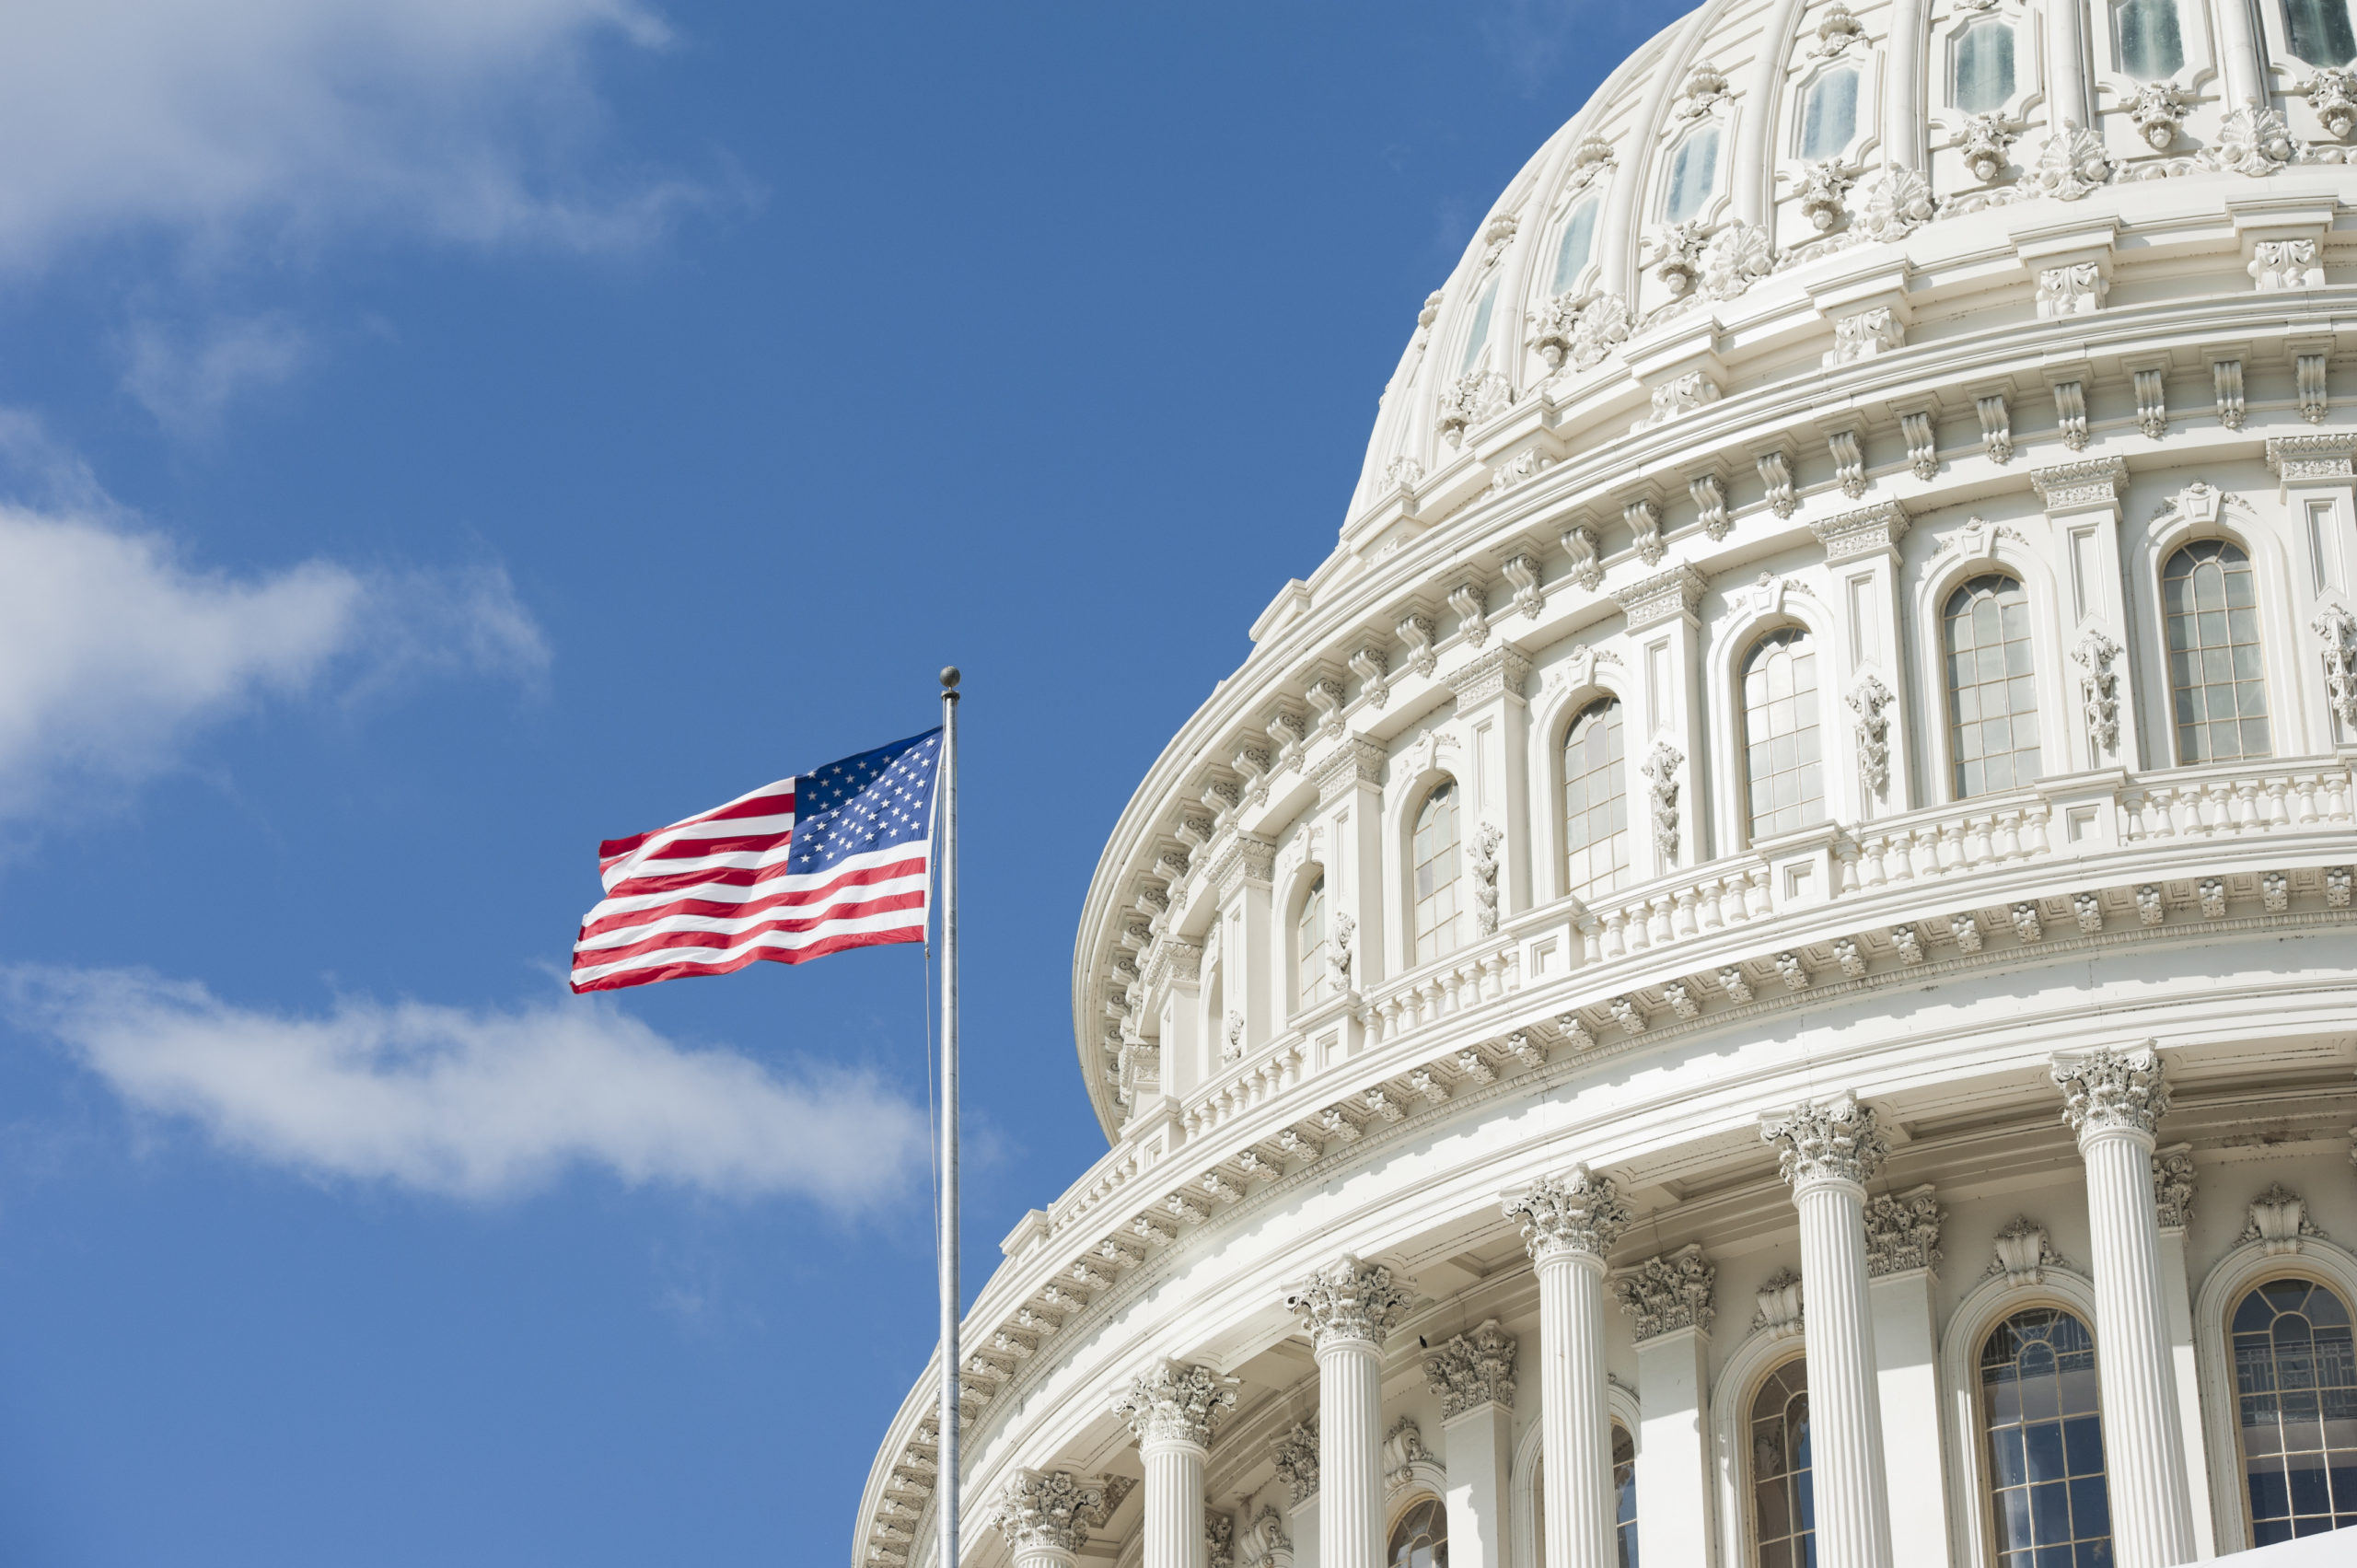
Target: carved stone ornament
[2284, 264]
[1782, 1308]
[1174, 1402]
[2157, 110]
[1661, 769]
[1643, 517]
[1472, 398]
[1903, 1233]
[1604, 325]
[1983, 142]
[1870, 699]
[1705, 91]
[1865, 334]
[1472, 1369]
[1296, 1457]
[1890, 203]
[1825, 188]
[1839, 33]
[2099, 688]
[2106, 1090]
[2252, 141]
[1348, 1302]
[1587, 563]
[1496, 235]
[2333, 94]
[1264, 1543]
[2338, 629]
[2023, 1254]
[1838, 1141]
[1578, 1213]
[1674, 253]
[1219, 1539]
[1667, 1293]
[1055, 1508]
[1486, 840]
[1679, 395]
[1404, 1451]
[2076, 290]
[2173, 1188]
[1337, 952]
[2278, 1218]
[1737, 256]
[1554, 325]
[1590, 158]
[2069, 163]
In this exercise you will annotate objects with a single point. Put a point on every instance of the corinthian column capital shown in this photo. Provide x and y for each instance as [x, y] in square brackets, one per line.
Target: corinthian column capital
[1578, 1213]
[1348, 1301]
[1839, 1141]
[1174, 1402]
[2112, 1091]
[1054, 1510]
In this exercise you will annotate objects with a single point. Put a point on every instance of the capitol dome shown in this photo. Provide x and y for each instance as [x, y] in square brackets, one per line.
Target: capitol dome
[1757, 967]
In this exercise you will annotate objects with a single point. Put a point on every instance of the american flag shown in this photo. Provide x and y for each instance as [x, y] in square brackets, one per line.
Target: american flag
[837, 858]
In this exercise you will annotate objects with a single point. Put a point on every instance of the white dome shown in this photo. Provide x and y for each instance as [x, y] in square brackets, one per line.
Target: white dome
[1852, 604]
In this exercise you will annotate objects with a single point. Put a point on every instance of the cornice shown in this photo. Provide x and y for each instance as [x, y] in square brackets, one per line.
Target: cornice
[1501, 671]
[2094, 482]
[1664, 596]
[1356, 761]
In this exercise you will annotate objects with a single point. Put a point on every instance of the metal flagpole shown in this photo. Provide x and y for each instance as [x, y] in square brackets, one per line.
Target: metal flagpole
[948, 1493]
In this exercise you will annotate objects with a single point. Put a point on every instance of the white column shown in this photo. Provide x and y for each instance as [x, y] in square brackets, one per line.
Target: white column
[1902, 1250]
[1569, 1223]
[1172, 1407]
[2112, 1101]
[1045, 1515]
[1348, 1306]
[1669, 1298]
[2173, 1201]
[1829, 1153]
[1473, 1374]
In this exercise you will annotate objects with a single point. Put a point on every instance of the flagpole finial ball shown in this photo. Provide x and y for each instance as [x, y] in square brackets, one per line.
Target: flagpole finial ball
[949, 678]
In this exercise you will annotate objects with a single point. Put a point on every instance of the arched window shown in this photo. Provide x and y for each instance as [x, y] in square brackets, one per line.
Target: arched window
[1624, 1495]
[2145, 32]
[1830, 114]
[2044, 1422]
[1478, 337]
[1783, 1507]
[1433, 855]
[1992, 700]
[1693, 175]
[1579, 242]
[2295, 1391]
[1421, 1537]
[1784, 772]
[2319, 31]
[1595, 802]
[2219, 688]
[1309, 944]
[1984, 66]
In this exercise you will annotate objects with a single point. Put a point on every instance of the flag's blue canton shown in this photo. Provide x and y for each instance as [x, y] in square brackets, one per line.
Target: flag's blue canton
[875, 800]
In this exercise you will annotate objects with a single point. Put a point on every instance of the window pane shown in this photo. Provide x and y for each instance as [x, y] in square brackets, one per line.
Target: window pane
[1993, 705]
[2045, 1440]
[2150, 45]
[1830, 116]
[1478, 337]
[1421, 1537]
[2319, 30]
[1579, 239]
[1782, 1511]
[1624, 1495]
[1596, 803]
[1434, 856]
[1309, 944]
[1787, 780]
[2297, 1378]
[2219, 702]
[1693, 174]
[1984, 67]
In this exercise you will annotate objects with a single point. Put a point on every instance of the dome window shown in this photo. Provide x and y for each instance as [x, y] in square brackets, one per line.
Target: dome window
[1309, 944]
[1830, 115]
[1783, 1511]
[2042, 1419]
[1478, 337]
[1596, 803]
[1420, 1538]
[1579, 243]
[2216, 683]
[2295, 1366]
[1992, 696]
[1693, 175]
[1782, 748]
[1433, 855]
[2151, 48]
[1984, 66]
[2319, 31]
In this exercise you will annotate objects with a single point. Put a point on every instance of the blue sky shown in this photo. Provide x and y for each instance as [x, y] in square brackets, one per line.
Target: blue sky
[436, 437]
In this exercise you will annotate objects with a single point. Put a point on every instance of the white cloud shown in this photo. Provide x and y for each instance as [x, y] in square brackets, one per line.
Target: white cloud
[233, 122]
[114, 650]
[476, 1104]
[186, 382]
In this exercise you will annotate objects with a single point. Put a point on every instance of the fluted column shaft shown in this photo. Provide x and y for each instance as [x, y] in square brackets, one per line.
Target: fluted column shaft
[1845, 1396]
[1569, 1224]
[1828, 1153]
[1577, 1424]
[2114, 1101]
[1040, 1555]
[1349, 1308]
[1174, 1503]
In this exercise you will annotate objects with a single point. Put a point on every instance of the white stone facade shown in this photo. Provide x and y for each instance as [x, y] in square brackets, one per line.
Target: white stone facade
[1754, 849]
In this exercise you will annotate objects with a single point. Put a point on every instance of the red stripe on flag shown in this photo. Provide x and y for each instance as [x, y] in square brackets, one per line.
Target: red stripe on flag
[770, 955]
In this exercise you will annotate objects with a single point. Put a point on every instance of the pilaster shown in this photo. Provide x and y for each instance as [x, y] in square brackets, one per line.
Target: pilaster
[1495, 719]
[1862, 558]
[2317, 479]
[1473, 1374]
[1241, 872]
[1350, 810]
[2173, 1210]
[2082, 501]
[1669, 1298]
[1902, 1256]
[1665, 633]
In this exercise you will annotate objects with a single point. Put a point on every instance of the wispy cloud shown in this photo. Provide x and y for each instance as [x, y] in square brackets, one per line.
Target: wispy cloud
[115, 649]
[237, 124]
[187, 380]
[475, 1104]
